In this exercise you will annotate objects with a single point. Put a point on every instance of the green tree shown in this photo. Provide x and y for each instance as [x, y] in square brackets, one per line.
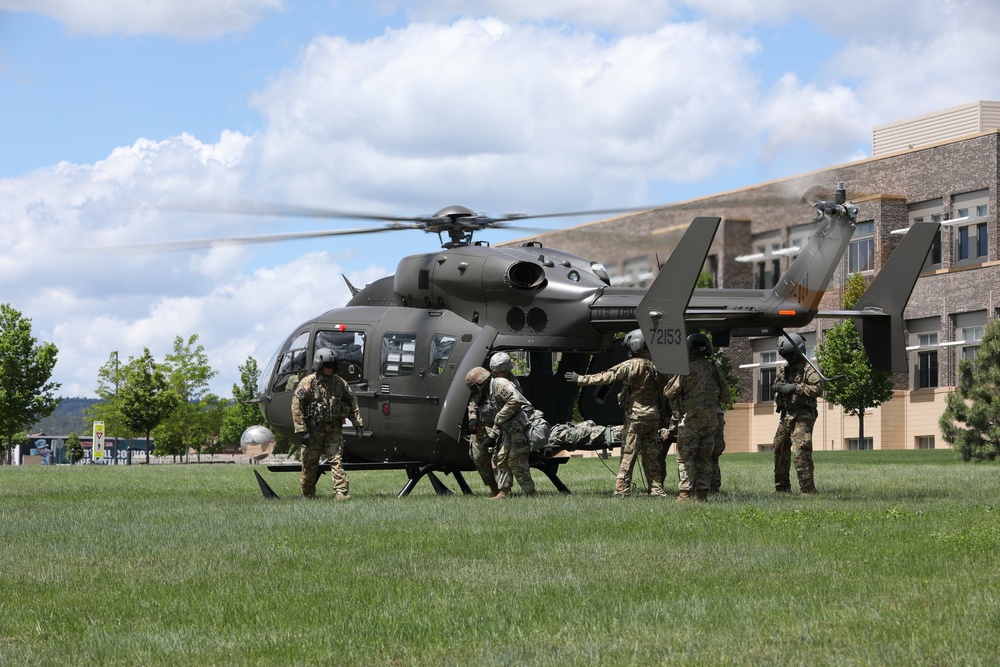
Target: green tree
[110, 378]
[74, 448]
[145, 397]
[27, 393]
[240, 415]
[971, 418]
[842, 355]
[198, 416]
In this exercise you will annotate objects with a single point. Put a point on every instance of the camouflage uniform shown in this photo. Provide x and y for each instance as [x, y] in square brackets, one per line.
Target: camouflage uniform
[484, 412]
[697, 396]
[585, 435]
[640, 400]
[509, 429]
[793, 439]
[719, 444]
[319, 405]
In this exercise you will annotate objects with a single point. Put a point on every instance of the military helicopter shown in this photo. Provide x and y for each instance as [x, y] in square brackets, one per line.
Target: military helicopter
[406, 341]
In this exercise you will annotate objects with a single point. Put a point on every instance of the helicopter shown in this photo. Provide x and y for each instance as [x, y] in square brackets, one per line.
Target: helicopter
[406, 341]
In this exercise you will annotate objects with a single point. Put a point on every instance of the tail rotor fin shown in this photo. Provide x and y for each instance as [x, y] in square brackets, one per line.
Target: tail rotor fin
[661, 312]
[882, 334]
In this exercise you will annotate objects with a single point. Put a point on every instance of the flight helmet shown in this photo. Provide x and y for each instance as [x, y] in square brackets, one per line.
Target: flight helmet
[324, 356]
[791, 349]
[635, 342]
[699, 345]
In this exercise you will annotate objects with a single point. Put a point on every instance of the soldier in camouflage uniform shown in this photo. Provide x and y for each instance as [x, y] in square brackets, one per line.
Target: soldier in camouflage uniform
[796, 388]
[696, 396]
[507, 435]
[719, 445]
[481, 414]
[319, 405]
[640, 401]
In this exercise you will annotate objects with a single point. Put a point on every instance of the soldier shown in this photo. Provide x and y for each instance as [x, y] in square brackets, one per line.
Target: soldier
[696, 396]
[796, 388]
[719, 443]
[481, 414]
[319, 405]
[640, 400]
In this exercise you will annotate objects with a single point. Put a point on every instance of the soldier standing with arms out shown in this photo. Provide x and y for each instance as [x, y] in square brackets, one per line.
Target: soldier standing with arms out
[319, 405]
[640, 400]
[796, 388]
[697, 398]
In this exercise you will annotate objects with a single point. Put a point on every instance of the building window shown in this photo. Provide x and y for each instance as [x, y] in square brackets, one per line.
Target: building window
[769, 447]
[766, 374]
[973, 338]
[971, 229]
[861, 253]
[925, 442]
[856, 444]
[927, 361]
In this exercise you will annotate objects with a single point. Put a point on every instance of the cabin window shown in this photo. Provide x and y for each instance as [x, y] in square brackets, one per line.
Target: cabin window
[441, 347]
[399, 351]
[349, 346]
[292, 363]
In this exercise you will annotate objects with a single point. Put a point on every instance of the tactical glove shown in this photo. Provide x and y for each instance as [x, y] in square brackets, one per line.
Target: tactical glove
[305, 440]
[359, 430]
[490, 442]
[571, 377]
[784, 388]
[473, 425]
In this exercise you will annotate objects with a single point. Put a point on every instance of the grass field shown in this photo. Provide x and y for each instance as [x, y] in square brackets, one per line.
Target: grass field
[894, 563]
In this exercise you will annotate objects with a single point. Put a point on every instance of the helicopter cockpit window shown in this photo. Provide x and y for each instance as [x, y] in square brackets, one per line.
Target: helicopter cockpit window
[399, 352]
[441, 347]
[292, 363]
[349, 346]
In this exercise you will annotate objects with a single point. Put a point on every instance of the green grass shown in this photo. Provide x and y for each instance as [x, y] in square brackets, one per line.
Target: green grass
[894, 563]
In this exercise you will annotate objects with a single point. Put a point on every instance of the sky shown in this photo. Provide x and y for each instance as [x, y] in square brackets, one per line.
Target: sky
[113, 112]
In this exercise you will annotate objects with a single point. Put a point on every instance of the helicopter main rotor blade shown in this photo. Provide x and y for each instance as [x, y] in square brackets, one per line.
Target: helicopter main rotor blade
[570, 214]
[248, 207]
[200, 244]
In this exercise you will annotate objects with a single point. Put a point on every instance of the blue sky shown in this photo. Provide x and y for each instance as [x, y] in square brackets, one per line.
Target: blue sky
[110, 106]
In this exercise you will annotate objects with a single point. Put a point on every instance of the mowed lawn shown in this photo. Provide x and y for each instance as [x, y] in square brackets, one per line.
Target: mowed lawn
[895, 562]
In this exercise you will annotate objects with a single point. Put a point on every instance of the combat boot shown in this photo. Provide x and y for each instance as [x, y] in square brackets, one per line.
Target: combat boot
[702, 494]
[340, 495]
[808, 489]
[684, 497]
[494, 489]
[657, 493]
[531, 494]
[502, 494]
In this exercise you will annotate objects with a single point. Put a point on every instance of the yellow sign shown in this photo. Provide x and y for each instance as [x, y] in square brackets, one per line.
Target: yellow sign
[98, 449]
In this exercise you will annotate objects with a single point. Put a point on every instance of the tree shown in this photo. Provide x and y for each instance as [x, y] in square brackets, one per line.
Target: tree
[240, 415]
[74, 448]
[27, 393]
[971, 418]
[110, 378]
[198, 415]
[842, 354]
[145, 397]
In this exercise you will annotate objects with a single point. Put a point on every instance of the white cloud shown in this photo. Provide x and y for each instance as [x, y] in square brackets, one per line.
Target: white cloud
[183, 19]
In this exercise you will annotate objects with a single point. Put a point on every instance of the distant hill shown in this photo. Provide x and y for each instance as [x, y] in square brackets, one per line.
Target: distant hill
[67, 418]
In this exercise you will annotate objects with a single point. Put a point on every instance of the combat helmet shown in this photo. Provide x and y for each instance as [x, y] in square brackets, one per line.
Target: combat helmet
[699, 345]
[635, 342]
[323, 356]
[476, 377]
[501, 362]
[789, 349]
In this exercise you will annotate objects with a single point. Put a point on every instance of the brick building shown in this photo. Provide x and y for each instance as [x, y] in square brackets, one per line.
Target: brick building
[943, 166]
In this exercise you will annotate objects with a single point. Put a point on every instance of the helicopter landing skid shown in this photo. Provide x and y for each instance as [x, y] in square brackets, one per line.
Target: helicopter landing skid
[415, 471]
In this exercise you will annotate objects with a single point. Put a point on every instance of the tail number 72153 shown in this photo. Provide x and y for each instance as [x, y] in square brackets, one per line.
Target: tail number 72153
[667, 337]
